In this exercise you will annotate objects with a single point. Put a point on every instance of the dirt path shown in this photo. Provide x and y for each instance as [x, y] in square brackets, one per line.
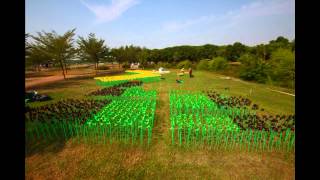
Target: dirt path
[30, 82]
[34, 81]
[161, 137]
[239, 80]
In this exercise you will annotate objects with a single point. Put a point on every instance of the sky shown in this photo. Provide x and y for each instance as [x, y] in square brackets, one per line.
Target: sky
[165, 23]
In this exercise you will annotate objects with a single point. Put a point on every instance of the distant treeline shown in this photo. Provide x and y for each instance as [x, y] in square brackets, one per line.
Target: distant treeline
[264, 63]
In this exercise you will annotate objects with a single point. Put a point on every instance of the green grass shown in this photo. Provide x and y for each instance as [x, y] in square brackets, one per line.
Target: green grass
[272, 102]
[69, 160]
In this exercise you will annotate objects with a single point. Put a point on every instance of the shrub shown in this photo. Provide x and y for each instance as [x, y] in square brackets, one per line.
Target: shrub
[164, 65]
[126, 66]
[184, 64]
[203, 64]
[254, 69]
[152, 66]
[218, 64]
[258, 73]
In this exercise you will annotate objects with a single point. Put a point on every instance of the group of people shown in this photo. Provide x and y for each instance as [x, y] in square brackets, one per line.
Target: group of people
[190, 72]
[178, 80]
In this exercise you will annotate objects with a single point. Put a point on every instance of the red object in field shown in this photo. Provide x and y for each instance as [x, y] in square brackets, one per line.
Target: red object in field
[190, 72]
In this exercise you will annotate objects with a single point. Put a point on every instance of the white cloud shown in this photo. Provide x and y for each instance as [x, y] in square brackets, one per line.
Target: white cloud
[107, 13]
[176, 26]
[265, 8]
[253, 10]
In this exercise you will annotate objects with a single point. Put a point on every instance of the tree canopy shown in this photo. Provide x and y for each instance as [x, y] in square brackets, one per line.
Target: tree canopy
[58, 48]
[273, 61]
[92, 49]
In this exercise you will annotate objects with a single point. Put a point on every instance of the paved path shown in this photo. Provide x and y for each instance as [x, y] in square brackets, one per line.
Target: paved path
[281, 92]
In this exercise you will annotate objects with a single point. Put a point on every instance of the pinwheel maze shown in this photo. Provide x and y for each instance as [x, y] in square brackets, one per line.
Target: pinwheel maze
[125, 113]
[210, 119]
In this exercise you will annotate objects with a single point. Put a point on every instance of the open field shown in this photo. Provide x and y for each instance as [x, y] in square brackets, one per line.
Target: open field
[68, 160]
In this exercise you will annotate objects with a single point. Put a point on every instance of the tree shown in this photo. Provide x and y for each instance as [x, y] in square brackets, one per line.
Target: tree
[260, 51]
[208, 51]
[92, 49]
[58, 48]
[119, 55]
[143, 56]
[154, 55]
[184, 64]
[35, 56]
[27, 45]
[280, 42]
[281, 55]
[233, 52]
[283, 42]
[176, 56]
[293, 45]
[131, 53]
[283, 64]
[221, 51]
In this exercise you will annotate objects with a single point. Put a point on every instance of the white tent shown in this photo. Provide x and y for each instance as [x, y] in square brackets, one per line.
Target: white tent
[161, 71]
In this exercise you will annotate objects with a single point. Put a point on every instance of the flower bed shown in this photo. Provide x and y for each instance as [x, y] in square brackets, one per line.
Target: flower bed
[116, 90]
[252, 120]
[142, 75]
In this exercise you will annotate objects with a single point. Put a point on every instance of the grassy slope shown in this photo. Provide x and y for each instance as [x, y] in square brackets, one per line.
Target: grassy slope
[65, 160]
[273, 102]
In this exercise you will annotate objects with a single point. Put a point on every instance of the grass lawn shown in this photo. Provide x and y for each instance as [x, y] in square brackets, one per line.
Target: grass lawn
[67, 160]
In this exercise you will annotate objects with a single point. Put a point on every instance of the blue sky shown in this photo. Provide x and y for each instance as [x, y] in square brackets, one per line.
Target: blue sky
[164, 23]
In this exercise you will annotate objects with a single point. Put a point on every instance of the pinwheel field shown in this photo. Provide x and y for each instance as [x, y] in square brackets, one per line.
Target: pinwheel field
[137, 125]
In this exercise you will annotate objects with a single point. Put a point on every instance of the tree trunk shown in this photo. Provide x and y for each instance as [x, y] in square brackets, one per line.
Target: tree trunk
[96, 67]
[62, 68]
[65, 67]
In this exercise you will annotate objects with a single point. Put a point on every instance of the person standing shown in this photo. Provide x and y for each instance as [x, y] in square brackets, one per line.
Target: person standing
[190, 72]
[182, 71]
